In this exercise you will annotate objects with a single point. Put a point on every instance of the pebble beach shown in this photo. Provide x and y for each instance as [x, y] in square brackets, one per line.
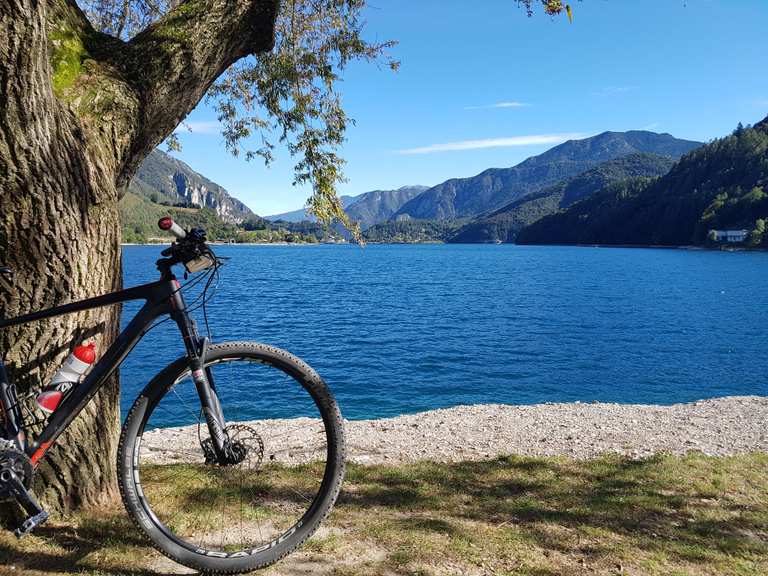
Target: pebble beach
[717, 427]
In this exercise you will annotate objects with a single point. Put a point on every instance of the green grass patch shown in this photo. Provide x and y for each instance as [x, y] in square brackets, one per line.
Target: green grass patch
[692, 515]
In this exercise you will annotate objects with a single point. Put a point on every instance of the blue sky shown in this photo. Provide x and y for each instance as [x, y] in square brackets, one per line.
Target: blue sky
[481, 85]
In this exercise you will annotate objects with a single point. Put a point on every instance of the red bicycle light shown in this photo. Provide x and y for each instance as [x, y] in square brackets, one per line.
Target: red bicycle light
[165, 223]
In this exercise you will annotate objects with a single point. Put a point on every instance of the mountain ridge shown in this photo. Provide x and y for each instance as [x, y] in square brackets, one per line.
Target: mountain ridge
[302, 215]
[368, 208]
[503, 224]
[495, 187]
[720, 185]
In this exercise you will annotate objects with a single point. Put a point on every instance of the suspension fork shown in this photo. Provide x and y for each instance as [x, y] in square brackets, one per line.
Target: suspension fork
[209, 399]
[197, 350]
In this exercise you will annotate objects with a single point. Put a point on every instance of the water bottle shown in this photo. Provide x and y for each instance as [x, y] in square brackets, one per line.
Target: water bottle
[77, 363]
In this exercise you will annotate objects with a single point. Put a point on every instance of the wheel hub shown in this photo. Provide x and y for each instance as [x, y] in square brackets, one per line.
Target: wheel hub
[243, 443]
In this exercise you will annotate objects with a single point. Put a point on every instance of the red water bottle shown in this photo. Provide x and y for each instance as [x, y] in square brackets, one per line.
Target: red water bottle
[77, 363]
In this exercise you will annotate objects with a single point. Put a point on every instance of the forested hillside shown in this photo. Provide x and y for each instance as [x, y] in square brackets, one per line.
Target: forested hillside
[379, 206]
[504, 224]
[497, 187]
[139, 218]
[165, 186]
[721, 185]
[412, 231]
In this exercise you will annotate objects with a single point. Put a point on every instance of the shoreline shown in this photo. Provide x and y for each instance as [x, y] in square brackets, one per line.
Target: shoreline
[692, 247]
[715, 427]
[216, 243]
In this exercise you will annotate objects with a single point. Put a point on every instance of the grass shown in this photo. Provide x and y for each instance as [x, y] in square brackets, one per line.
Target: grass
[692, 515]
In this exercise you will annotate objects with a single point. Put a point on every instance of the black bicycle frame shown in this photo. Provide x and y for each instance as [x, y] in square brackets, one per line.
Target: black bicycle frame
[161, 297]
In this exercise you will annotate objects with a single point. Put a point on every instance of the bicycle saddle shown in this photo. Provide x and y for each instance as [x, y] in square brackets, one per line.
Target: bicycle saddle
[6, 270]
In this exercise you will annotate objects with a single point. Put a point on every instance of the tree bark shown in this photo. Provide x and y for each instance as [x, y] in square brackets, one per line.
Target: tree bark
[78, 112]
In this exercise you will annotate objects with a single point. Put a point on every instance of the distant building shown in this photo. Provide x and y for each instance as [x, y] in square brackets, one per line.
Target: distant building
[729, 235]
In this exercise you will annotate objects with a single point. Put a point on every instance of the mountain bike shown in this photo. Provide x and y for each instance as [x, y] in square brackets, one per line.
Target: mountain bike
[230, 457]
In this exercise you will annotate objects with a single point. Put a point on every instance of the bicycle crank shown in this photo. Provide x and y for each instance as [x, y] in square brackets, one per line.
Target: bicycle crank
[16, 473]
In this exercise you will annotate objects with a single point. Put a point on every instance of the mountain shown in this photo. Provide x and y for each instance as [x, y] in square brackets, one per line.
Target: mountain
[164, 186]
[721, 185]
[164, 179]
[302, 215]
[379, 206]
[139, 216]
[504, 224]
[368, 208]
[497, 187]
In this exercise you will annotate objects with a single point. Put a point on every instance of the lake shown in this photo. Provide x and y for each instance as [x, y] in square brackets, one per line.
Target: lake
[398, 329]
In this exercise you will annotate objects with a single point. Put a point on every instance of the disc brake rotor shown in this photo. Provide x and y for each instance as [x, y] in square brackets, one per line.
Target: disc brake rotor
[243, 446]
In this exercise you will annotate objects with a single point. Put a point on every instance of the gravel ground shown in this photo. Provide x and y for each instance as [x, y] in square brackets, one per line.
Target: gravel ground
[718, 427]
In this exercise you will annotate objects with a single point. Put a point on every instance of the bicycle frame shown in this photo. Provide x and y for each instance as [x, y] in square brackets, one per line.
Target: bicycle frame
[161, 297]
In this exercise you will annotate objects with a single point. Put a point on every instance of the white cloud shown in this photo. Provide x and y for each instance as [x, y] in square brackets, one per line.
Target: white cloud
[199, 127]
[530, 140]
[505, 104]
[651, 126]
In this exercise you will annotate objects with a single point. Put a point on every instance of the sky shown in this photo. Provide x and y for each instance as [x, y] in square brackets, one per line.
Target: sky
[481, 85]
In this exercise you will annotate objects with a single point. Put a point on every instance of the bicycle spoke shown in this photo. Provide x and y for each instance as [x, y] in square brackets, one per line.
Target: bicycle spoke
[225, 507]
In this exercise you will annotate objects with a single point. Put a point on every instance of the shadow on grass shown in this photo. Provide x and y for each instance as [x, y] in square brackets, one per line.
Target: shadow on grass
[67, 549]
[693, 509]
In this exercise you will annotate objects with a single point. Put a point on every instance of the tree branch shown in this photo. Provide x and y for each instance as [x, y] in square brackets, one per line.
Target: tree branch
[174, 61]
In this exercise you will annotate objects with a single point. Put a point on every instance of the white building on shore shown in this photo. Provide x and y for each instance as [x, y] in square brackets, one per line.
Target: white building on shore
[728, 235]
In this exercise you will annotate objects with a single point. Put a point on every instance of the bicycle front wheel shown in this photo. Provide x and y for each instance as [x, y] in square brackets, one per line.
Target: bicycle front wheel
[251, 512]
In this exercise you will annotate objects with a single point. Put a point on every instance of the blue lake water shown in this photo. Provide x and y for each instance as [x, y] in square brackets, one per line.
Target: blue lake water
[398, 329]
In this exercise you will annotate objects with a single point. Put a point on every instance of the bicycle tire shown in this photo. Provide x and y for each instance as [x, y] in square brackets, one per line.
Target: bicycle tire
[217, 561]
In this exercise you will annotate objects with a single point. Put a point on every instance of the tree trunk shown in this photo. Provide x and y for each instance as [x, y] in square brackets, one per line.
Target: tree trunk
[60, 233]
[74, 106]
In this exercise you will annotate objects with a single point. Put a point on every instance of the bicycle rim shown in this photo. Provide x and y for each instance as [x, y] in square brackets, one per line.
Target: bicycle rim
[245, 508]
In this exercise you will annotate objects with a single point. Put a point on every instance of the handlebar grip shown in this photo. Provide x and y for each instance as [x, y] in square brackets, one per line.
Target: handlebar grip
[169, 225]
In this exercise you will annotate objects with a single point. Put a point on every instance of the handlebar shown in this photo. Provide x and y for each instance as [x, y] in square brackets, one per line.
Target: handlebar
[190, 249]
[169, 225]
